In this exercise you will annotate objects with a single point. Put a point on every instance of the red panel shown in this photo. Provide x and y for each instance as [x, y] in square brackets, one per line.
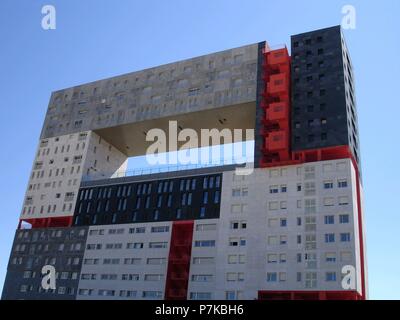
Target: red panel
[52, 222]
[309, 295]
[179, 260]
[276, 105]
[276, 140]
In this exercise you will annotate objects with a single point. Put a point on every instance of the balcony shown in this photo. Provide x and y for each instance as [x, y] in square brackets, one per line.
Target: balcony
[277, 111]
[276, 57]
[278, 83]
[276, 140]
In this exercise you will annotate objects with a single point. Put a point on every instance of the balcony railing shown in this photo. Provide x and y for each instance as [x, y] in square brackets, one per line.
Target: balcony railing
[167, 168]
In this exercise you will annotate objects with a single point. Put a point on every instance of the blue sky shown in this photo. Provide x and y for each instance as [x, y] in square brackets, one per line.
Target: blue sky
[95, 39]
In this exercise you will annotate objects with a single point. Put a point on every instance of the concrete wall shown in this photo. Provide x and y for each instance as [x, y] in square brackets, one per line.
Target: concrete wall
[92, 289]
[206, 82]
[58, 168]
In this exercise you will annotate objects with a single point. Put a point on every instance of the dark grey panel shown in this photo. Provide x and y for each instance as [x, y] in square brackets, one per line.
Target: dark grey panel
[32, 249]
[323, 107]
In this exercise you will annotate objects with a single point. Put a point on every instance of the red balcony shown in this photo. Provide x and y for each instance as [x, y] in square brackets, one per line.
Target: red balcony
[277, 111]
[276, 57]
[278, 83]
[276, 140]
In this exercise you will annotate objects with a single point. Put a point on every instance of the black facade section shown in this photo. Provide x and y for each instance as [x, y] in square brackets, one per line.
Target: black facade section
[32, 249]
[183, 198]
[258, 138]
[323, 112]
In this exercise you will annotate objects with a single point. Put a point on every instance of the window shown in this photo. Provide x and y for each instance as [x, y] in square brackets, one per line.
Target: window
[311, 280]
[272, 277]
[136, 245]
[344, 218]
[345, 237]
[236, 192]
[345, 256]
[273, 189]
[153, 277]
[203, 260]
[330, 257]
[156, 261]
[329, 202]
[202, 277]
[273, 205]
[158, 245]
[329, 237]
[329, 219]
[130, 277]
[152, 294]
[200, 295]
[204, 243]
[272, 258]
[283, 222]
[343, 201]
[205, 197]
[328, 185]
[160, 229]
[128, 293]
[132, 261]
[85, 292]
[330, 276]
[217, 196]
[342, 183]
[107, 293]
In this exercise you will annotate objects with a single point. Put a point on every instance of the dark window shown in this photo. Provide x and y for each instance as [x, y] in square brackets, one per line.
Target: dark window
[217, 181]
[169, 201]
[205, 197]
[179, 213]
[159, 201]
[216, 197]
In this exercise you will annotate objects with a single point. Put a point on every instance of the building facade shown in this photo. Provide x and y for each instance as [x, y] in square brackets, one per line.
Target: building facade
[291, 229]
